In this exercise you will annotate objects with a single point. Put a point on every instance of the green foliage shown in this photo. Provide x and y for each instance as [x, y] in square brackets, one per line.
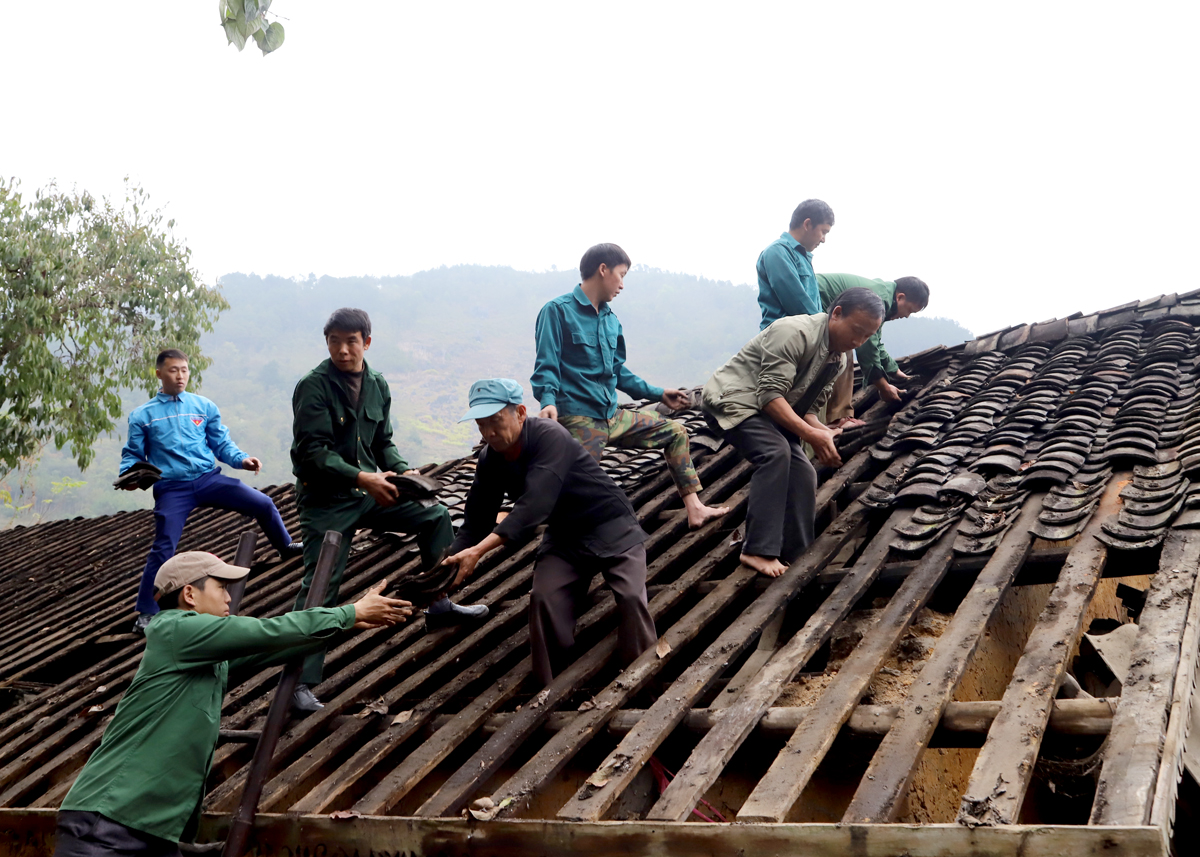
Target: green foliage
[243, 19]
[89, 294]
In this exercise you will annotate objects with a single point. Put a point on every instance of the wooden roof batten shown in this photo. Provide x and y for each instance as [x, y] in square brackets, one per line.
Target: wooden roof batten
[1108, 399]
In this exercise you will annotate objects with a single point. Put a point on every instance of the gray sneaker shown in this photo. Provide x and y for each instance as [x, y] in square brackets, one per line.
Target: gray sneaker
[140, 623]
[303, 699]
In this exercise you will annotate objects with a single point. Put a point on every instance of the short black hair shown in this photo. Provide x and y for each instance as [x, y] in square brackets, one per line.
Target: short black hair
[170, 601]
[859, 298]
[602, 254]
[349, 320]
[168, 354]
[914, 289]
[812, 209]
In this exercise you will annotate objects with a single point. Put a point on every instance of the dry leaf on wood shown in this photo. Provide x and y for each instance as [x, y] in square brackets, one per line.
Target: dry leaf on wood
[663, 648]
[343, 814]
[402, 717]
[379, 706]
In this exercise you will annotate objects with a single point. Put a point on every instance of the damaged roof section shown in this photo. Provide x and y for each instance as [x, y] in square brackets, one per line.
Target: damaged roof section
[923, 662]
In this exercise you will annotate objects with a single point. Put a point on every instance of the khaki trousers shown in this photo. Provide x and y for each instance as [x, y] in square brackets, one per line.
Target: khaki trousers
[839, 407]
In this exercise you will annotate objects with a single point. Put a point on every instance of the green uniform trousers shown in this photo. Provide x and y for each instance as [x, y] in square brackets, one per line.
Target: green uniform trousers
[431, 525]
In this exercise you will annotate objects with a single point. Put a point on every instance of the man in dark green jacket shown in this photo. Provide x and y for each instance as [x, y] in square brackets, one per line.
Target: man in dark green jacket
[901, 298]
[342, 455]
[140, 792]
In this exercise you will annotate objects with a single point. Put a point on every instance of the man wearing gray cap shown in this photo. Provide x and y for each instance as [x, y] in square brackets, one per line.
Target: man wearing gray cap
[590, 525]
[140, 791]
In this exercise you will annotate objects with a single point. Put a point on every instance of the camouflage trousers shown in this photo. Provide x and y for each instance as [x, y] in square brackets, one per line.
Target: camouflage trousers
[631, 429]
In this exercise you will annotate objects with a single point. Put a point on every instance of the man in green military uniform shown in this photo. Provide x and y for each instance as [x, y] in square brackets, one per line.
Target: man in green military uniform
[902, 298]
[342, 455]
[140, 792]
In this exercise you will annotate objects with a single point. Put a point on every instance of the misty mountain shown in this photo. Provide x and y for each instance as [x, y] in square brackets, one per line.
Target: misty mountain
[433, 334]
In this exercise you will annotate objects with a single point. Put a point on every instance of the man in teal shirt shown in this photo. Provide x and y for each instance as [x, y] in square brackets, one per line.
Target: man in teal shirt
[786, 282]
[580, 365]
[902, 297]
[140, 792]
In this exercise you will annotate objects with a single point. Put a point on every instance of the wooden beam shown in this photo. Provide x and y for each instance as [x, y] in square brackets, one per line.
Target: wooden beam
[399, 782]
[30, 833]
[1183, 700]
[1125, 790]
[777, 791]
[715, 749]
[1004, 766]
[513, 795]
[332, 787]
[881, 792]
[620, 767]
[959, 720]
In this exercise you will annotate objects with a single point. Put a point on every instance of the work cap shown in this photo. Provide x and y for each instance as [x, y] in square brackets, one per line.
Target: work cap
[489, 396]
[191, 566]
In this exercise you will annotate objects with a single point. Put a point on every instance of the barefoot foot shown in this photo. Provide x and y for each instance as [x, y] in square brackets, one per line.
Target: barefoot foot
[770, 566]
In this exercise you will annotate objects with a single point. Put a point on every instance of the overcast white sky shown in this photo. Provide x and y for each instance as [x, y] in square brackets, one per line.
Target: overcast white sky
[1027, 159]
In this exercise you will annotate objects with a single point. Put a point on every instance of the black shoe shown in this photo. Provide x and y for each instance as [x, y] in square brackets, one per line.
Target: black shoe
[456, 615]
[140, 623]
[304, 700]
[291, 550]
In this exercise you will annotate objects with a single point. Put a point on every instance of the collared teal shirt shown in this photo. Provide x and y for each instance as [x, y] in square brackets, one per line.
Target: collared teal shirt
[580, 360]
[786, 282]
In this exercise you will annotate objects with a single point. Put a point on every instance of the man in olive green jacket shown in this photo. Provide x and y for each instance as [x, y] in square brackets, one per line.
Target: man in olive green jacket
[766, 400]
[140, 792]
[901, 298]
[342, 455]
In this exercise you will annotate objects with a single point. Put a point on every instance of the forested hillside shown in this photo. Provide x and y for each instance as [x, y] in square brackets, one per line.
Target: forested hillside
[434, 333]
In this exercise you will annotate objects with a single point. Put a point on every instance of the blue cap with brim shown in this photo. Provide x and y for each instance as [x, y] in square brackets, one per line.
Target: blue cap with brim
[490, 396]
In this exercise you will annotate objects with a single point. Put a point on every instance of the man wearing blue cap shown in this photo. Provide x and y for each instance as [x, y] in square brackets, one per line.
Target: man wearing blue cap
[343, 456]
[590, 525]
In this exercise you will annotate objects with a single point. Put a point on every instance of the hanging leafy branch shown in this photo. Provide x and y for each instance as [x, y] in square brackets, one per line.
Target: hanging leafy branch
[243, 19]
[89, 294]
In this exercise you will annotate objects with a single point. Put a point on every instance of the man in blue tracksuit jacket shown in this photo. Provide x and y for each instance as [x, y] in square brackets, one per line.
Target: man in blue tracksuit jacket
[181, 434]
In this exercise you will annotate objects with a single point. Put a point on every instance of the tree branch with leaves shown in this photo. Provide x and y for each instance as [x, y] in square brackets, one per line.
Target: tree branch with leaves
[245, 19]
[89, 294]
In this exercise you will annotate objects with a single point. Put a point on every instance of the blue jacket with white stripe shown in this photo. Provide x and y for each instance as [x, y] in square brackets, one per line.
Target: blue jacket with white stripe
[180, 435]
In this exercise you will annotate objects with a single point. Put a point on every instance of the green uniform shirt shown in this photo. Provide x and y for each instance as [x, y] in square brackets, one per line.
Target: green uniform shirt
[148, 772]
[333, 442]
[872, 356]
[785, 360]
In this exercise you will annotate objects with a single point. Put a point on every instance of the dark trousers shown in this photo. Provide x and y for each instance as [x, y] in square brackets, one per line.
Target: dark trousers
[174, 501]
[783, 490]
[560, 588]
[90, 834]
[431, 525]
